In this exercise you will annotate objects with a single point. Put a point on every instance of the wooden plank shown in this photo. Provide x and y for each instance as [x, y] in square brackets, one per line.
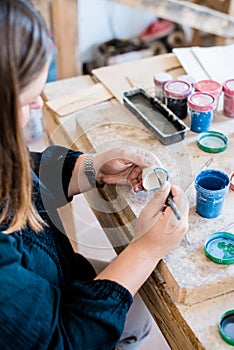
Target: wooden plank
[193, 15]
[56, 89]
[65, 25]
[74, 102]
[56, 131]
[122, 77]
[218, 5]
[43, 6]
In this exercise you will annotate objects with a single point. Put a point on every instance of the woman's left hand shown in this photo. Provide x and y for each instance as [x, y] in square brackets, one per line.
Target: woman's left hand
[123, 166]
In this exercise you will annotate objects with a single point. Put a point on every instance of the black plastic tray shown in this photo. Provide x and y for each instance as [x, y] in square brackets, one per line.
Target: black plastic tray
[164, 124]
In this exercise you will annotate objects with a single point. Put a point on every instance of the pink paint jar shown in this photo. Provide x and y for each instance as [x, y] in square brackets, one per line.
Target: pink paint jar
[211, 87]
[232, 181]
[176, 94]
[228, 100]
[160, 79]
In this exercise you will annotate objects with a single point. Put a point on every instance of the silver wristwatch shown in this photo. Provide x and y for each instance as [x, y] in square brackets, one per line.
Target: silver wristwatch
[90, 172]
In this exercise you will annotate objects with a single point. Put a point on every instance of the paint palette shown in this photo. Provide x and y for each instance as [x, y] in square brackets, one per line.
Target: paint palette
[219, 248]
[159, 119]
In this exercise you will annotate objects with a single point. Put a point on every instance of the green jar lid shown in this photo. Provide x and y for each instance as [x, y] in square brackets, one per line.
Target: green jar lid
[226, 327]
[219, 248]
[212, 141]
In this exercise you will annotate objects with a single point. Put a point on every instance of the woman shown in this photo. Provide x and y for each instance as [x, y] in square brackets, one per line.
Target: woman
[50, 296]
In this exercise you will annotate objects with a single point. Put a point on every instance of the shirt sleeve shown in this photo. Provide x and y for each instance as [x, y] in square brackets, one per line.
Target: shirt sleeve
[38, 315]
[54, 167]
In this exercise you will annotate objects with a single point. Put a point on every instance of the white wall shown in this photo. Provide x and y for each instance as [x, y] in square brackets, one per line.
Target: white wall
[102, 20]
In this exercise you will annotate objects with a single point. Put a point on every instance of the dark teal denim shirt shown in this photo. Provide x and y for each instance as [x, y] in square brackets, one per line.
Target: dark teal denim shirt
[48, 298]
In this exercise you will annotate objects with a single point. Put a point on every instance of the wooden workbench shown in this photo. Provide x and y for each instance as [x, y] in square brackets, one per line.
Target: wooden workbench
[187, 293]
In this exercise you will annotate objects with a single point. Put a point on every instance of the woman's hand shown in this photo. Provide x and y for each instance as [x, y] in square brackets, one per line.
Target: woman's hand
[157, 232]
[123, 166]
[157, 229]
[116, 166]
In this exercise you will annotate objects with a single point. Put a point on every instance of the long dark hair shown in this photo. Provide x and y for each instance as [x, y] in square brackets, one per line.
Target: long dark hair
[25, 48]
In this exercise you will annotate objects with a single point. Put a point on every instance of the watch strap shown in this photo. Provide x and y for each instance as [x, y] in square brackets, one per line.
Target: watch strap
[90, 172]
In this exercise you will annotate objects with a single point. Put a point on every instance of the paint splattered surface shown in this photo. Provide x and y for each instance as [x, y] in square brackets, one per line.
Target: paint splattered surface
[190, 275]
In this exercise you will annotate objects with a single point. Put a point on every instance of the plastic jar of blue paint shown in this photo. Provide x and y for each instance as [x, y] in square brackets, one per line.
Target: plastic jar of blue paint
[211, 187]
[176, 95]
[201, 107]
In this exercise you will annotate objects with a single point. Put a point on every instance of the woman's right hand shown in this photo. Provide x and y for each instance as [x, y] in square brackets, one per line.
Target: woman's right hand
[158, 230]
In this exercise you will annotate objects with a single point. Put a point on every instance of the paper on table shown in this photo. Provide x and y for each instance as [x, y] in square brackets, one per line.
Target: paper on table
[190, 63]
[216, 62]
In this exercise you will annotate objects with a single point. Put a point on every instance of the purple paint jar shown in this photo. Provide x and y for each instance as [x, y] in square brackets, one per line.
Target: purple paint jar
[176, 94]
[160, 79]
[211, 187]
[201, 106]
[228, 101]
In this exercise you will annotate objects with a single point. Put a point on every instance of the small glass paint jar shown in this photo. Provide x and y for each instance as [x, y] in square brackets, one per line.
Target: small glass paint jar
[176, 94]
[228, 100]
[201, 106]
[211, 87]
[188, 78]
[160, 79]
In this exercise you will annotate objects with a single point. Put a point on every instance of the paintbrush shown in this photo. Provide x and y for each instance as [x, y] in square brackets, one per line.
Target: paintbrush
[170, 200]
[209, 161]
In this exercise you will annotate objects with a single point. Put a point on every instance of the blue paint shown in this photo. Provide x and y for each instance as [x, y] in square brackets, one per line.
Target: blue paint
[211, 186]
[200, 121]
[201, 108]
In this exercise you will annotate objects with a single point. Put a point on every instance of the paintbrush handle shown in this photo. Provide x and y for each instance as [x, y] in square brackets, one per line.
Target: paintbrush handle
[171, 203]
[202, 168]
[170, 200]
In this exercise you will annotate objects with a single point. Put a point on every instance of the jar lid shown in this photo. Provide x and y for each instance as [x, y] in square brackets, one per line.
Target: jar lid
[226, 327]
[212, 141]
[228, 87]
[210, 86]
[219, 248]
[202, 101]
[161, 78]
[188, 78]
[177, 89]
[153, 178]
